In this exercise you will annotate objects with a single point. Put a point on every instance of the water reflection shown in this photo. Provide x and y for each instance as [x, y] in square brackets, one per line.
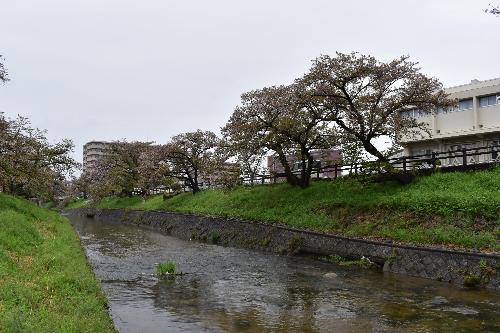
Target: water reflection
[235, 290]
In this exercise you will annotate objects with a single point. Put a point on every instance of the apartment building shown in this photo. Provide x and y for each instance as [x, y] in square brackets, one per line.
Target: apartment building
[92, 152]
[217, 177]
[474, 123]
[322, 158]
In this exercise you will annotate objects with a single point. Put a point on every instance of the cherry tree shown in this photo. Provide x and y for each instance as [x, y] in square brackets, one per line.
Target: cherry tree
[363, 97]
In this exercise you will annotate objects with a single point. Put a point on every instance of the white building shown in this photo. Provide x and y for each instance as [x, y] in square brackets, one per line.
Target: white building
[92, 152]
[475, 123]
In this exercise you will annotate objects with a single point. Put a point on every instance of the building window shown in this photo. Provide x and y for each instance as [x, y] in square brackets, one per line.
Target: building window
[426, 153]
[297, 166]
[488, 100]
[465, 104]
[413, 113]
[455, 153]
[406, 114]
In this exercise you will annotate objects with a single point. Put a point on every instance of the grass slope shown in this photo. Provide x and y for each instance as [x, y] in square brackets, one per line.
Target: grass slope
[459, 209]
[46, 284]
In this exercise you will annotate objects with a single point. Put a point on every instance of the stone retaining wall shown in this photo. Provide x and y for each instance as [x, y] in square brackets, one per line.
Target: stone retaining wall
[469, 268]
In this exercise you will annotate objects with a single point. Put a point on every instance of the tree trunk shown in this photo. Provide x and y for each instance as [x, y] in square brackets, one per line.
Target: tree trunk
[400, 176]
[290, 177]
[307, 166]
[370, 148]
[194, 183]
[195, 188]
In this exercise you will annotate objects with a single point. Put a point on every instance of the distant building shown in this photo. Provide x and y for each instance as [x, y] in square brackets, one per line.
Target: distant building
[322, 158]
[221, 175]
[474, 123]
[93, 151]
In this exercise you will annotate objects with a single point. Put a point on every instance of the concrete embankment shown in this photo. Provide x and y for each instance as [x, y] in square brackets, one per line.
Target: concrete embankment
[457, 267]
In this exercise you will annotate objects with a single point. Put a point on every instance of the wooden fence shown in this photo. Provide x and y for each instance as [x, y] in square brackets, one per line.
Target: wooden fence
[461, 159]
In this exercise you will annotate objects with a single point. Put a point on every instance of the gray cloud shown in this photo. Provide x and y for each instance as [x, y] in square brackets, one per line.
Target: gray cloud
[146, 70]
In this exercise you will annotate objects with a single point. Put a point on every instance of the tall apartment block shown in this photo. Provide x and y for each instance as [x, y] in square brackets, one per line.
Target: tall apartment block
[92, 152]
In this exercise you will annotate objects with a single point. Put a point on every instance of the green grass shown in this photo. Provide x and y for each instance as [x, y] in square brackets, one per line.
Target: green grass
[46, 284]
[79, 203]
[459, 209]
[166, 268]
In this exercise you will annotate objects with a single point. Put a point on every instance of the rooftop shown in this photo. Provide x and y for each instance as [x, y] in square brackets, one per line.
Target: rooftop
[474, 84]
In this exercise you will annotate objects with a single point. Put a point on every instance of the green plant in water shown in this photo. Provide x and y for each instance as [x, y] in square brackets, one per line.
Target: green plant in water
[487, 272]
[364, 262]
[392, 257]
[214, 237]
[281, 250]
[294, 244]
[266, 241]
[472, 280]
[166, 268]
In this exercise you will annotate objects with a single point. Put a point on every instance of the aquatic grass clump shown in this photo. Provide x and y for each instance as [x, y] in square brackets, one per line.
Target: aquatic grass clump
[166, 268]
[363, 262]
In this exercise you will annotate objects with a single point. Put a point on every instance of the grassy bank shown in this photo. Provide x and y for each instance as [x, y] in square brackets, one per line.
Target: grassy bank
[452, 209]
[45, 282]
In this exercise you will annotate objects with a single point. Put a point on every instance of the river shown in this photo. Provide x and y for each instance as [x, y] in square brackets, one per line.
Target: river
[236, 290]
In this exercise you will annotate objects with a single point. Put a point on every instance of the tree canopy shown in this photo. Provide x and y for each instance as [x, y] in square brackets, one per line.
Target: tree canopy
[141, 167]
[29, 164]
[278, 119]
[363, 97]
[347, 101]
[189, 155]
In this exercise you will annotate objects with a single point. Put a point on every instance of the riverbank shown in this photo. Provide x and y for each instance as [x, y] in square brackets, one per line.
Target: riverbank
[46, 284]
[455, 210]
[472, 269]
[228, 289]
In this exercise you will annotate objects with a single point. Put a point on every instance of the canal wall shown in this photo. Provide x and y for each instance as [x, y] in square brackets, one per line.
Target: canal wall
[457, 267]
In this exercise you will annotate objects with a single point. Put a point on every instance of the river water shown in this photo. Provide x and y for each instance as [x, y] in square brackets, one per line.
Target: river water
[237, 290]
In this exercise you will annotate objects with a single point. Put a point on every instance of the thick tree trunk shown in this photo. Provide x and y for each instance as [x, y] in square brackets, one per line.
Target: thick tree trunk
[194, 184]
[290, 177]
[307, 166]
[195, 188]
[305, 175]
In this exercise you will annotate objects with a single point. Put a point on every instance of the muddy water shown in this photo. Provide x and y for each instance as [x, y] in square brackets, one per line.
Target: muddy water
[236, 290]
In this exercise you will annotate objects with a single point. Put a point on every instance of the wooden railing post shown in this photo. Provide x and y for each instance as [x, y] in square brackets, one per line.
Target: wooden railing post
[464, 157]
[335, 174]
[404, 163]
[433, 160]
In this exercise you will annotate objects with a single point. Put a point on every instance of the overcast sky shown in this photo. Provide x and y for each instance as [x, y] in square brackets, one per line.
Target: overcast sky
[149, 69]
